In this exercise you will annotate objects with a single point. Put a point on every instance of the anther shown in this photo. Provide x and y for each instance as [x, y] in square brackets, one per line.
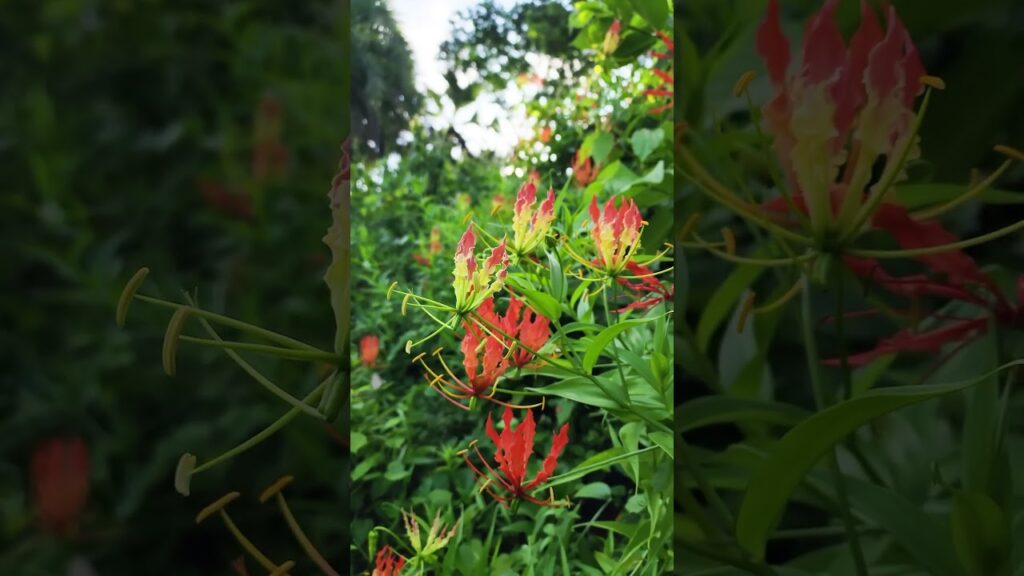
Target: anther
[391, 289]
[408, 346]
[688, 227]
[174, 330]
[405, 302]
[467, 217]
[418, 357]
[216, 506]
[1011, 152]
[275, 488]
[183, 473]
[128, 293]
[437, 351]
[744, 81]
[730, 241]
[933, 82]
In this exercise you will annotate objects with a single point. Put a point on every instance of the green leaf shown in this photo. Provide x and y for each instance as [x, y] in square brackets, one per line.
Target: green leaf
[597, 462]
[579, 389]
[711, 410]
[645, 141]
[357, 440]
[602, 146]
[721, 304]
[664, 441]
[594, 490]
[542, 303]
[798, 451]
[924, 536]
[654, 11]
[636, 503]
[980, 535]
[556, 279]
[602, 340]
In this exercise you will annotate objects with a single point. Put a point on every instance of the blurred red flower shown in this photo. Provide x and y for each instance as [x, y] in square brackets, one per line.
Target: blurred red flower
[60, 483]
[369, 347]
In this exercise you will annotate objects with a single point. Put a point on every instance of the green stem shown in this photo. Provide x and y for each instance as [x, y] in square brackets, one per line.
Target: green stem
[238, 324]
[267, 432]
[942, 248]
[304, 540]
[290, 353]
[256, 375]
[814, 367]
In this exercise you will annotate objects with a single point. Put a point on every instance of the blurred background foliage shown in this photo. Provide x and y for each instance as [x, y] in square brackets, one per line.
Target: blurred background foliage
[198, 139]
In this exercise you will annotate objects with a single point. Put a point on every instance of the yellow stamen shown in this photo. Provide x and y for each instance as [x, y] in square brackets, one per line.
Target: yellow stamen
[174, 330]
[408, 346]
[496, 209]
[183, 473]
[730, 241]
[744, 81]
[437, 351]
[688, 227]
[781, 301]
[405, 302]
[1014, 153]
[275, 488]
[418, 357]
[487, 482]
[128, 293]
[933, 82]
[467, 217]
[216, 506]
[391, 289]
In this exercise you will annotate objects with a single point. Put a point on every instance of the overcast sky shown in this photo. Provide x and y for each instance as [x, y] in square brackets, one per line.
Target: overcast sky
[425, 25]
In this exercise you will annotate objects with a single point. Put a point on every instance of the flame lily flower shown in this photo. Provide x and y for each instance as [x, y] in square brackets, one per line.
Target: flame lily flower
[520, 323]
[527, 326]
[612, 37]
[436, 539]
[388, 563]
[955, 276]
[513, 448]
[862, 94]
[369, 348]
[646, 284]
[584, 172]
[475, 283]
[482, 373]
[529, 226]
[60, 483]
[616, 234]
[666, 88]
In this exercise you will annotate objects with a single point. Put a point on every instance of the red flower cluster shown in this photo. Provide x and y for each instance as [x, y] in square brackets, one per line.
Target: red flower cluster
[513, 448]
[388, 563]
[584, 171]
